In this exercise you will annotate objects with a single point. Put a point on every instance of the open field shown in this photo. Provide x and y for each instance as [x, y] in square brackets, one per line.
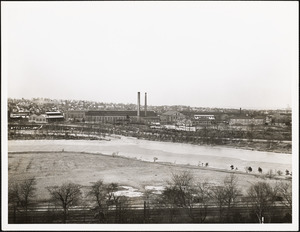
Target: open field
[55, 168]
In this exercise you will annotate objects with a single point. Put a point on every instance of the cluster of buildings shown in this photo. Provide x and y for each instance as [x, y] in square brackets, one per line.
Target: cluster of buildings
[199, 119]
[181, 120]
[114, 116]
[48, 117]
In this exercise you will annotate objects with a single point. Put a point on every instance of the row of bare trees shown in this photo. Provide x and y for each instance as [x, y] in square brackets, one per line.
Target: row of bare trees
[186, 192]
[182, 191]
[21, 196]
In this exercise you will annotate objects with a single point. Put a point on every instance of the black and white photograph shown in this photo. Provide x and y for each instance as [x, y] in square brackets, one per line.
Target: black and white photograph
[150, 115]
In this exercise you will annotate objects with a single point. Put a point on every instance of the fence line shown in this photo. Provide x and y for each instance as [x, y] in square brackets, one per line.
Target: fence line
[146, 213]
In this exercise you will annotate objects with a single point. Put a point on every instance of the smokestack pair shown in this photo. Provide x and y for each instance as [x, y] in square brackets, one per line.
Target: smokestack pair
[139, 105]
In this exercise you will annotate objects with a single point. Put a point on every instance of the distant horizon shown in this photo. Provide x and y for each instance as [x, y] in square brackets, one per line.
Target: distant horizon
[142, 104]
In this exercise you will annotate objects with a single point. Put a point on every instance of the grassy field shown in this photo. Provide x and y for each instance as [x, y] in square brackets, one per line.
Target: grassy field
[55, 168]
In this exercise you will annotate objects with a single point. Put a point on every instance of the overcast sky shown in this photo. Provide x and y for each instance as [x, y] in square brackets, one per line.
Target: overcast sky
[211, 54]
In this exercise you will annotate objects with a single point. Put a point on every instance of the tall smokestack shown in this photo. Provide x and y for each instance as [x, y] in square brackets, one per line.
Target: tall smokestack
[240, 110]
[138, 105]
[145, 104]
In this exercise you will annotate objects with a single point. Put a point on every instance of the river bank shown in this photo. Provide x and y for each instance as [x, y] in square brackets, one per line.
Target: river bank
[254, 145]
[178, 153]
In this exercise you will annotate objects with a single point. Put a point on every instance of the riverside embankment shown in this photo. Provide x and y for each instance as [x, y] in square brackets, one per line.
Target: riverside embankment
[175, 153]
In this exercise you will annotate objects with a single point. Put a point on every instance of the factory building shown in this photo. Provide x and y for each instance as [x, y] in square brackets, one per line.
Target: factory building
[46, 118]
[75, 115]
[115, 116]
[172, 117]
[247, 121]
[55, 117]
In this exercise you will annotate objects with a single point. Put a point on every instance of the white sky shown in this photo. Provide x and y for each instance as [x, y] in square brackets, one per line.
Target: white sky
[211, 54]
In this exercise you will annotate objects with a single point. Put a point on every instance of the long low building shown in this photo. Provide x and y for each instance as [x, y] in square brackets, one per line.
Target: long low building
[55, 117]
[75, 115]
[247, 121]
[38, 118]
[46, 118]
[111, 116]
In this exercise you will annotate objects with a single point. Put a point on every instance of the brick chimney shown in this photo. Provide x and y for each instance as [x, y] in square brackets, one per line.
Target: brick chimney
[138, 105]
[145, 104]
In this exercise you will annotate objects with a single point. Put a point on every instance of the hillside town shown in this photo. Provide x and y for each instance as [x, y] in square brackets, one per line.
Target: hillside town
[265, 130]
[78, 110]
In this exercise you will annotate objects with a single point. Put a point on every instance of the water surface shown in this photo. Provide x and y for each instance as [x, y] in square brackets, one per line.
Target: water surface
[215, 156]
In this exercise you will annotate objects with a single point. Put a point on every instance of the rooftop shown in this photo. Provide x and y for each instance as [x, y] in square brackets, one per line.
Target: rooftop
[119, 113]
[55, 116]
[53, 113]
[245, 117]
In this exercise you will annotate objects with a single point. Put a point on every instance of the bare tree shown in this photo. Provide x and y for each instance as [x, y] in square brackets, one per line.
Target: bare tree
[21, 194]
[168, 199]
[99, 193]
[285, 191]
[182, 183]
[202, 197]
[287, 172]
[231, 192]
[262, 197]
[66, 195]
[122, 205]
[279, 172]
[148, 197]
[111, 189]
[178, 193]
[270, 173]
[115, 154]
[105, 196]
[218, 194]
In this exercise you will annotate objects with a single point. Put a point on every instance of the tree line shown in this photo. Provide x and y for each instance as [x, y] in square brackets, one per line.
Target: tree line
[182, 193]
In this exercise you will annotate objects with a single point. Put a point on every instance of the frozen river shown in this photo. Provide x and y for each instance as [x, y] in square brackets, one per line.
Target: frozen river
[216, 156]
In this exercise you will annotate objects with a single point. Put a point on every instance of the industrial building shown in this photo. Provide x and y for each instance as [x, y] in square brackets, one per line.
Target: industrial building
[38, 118]
[172, 117]
[247, 121]
[19, 115]
[75, 115]
[115, 116]
[189, 118]
[46, 118]
[55, 117]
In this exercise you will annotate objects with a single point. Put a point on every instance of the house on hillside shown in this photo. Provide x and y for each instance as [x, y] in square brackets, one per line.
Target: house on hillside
[37, 118]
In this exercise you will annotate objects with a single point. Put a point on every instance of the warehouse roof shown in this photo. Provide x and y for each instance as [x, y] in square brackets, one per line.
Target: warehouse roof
[53, 113]
[119, 113]
[247, 117]
[55, 116]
